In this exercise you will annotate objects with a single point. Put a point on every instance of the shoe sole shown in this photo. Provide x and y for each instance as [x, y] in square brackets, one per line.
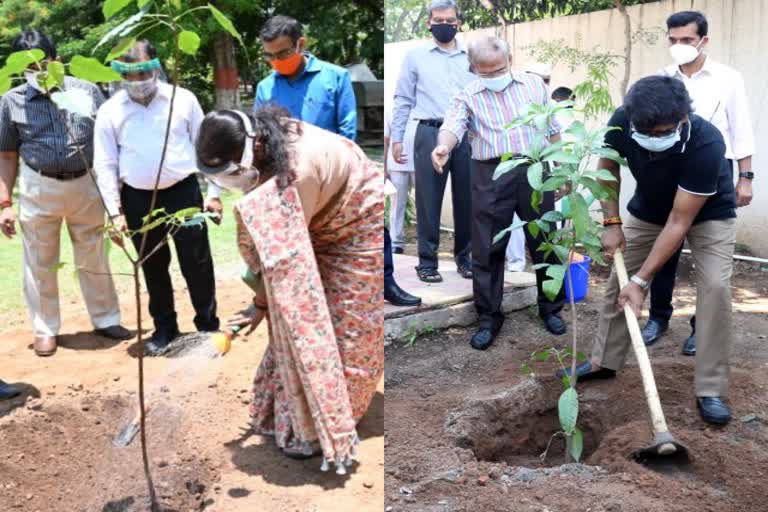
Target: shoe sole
[40, 353]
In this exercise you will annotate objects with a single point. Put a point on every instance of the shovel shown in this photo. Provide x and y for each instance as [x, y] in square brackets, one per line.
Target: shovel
[665, 449]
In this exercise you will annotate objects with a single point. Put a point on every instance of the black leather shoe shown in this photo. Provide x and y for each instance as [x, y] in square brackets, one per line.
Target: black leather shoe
[399, 297]
[115, 332]
[7, 391]
[554, 323]
[483, 338]
[398, 250]
[653, 329]
[689, 346]
[584, 372]
[158, 344]
[464, 270]
[713, 410]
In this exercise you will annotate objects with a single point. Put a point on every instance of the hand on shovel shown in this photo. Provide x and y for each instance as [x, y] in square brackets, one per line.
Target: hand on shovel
[633, 296]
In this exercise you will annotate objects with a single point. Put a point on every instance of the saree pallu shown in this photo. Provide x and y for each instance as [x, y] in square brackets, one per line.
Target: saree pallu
[326, 321]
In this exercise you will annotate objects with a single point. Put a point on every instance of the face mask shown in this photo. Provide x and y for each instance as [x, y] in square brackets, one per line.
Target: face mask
[657, 144]
[244, 176]
[288, 66]
[141, 90]
[497, 84]
[443, 32]
[684, 53]
[31, 77]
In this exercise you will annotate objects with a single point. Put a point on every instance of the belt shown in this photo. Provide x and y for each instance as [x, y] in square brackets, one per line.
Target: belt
[62, 175]
[435, 123]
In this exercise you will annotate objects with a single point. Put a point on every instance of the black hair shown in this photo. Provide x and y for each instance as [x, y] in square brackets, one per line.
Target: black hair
[683, 18]
[142, 48]
[34, 40]
[563, 94]
[278, 26]
[656, 100]
[222, 138]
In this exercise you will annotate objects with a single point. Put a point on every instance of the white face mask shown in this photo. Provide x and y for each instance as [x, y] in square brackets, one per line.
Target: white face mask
[242, 176]
[498, 83]
[141, 90]
[684, 53]
[659, 144]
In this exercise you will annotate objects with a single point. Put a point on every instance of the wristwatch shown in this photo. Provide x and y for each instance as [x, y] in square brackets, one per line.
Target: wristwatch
[747, 174]
[639, 281]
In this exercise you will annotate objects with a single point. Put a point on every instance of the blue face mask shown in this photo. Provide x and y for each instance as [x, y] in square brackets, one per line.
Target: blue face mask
[498, 83]
[657, 144]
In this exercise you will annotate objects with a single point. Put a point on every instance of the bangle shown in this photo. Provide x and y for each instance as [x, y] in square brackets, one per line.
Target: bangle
[611, 221]
[6, 204]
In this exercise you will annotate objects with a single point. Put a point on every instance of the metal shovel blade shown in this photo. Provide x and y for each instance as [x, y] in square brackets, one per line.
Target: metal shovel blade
[127, 435]
[664, 452]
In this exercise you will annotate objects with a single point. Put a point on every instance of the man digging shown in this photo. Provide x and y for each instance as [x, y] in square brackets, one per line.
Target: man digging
[684, 191]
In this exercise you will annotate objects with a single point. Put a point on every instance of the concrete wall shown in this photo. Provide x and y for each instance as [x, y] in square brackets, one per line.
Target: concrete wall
[737, 39]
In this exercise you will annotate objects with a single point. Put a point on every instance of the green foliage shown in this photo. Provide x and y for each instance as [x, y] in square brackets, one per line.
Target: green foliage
[568, 410]
[189, 42]
[414, 332]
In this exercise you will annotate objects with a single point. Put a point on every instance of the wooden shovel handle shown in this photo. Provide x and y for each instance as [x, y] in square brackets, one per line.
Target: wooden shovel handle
[641, 354]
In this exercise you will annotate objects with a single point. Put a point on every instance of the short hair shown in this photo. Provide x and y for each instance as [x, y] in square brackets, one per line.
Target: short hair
[278, 26]
[439, 5]
[34, 40]
[484, 48]
[656, 100]
[142, 48]
[683, 18]
[562, 94]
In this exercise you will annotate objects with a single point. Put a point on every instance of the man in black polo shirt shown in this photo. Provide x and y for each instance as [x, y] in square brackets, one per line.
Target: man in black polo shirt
[54, 187]
[684, 191]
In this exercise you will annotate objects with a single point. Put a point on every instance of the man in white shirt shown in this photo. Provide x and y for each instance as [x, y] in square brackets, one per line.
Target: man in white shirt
[719, 97]
[128, 141]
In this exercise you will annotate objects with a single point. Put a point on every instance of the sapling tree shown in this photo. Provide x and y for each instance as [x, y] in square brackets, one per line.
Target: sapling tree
[151, 15]
[563, 166]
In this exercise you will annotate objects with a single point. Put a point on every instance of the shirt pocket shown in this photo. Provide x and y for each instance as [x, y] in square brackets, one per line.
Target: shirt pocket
[323, 99]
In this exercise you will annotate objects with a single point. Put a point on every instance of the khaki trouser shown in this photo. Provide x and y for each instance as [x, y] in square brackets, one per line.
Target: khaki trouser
[712, 244]
[44, 203]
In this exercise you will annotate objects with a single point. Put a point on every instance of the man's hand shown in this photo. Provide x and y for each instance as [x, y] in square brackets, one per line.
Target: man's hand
[250, 316]
[743, 192]
[117, 230]
[633, 295]
[613, 239]
[8, 222]
[397, 153]
[562, 191]
[440, 157]
[213, 205]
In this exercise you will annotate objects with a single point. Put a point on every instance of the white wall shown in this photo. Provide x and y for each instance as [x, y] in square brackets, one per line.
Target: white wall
[736, 29]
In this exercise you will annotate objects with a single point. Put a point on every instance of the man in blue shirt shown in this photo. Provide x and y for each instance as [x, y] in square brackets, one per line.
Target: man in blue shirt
[312, 90]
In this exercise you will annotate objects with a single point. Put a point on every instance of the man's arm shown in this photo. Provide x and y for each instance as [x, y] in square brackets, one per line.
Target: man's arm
[9, 167]
[346, 108]
[405, 100]
[742, 137]
[454, 127]
[106, 162]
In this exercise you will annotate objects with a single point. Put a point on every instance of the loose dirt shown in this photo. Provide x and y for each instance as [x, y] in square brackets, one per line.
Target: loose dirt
[465, 429]
[56, 451]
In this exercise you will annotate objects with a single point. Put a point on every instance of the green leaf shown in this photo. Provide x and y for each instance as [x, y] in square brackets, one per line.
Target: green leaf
[508, 165]
[77, 101]
[577, 444]
[225, 23]
[568, 410]
[601, 174]
[525, 369]
[611, 154]
[563, 157]
[554, 183]
[580, 211]
[551, 288]
[535, 175]
[152, 214]
[5, 84]
[142, 3]
[534, 229]
[581, 356]
[556, 271]
[189, 42]
[561, 252]
[112, 7]
[122, 46]
[91, 70]
[578, 130]
[536, 200]
[186, 213]
[553, 216]
[56, 71]
[566, 380]
[18, 62]
[123, 29]
[501, 234]
[176, 3]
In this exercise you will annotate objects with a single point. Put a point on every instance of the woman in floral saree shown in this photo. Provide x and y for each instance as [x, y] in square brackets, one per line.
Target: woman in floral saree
[310, 231]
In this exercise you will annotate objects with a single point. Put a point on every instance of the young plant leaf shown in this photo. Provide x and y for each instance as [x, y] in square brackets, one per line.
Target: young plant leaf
[580, 212]
[18, 62]
[535, 176]
[534, 229]
[577, 444]
[189, 42]
[122, 46]
[508, 165]
[553, 216]
[124, 28]
[225, 23]
[557, 272]
[91, 70]
[142, 3]
[112, 7]
[563, 157]
[77, 101]
[501, 234]
[566, 380]
[536, 200]
[56, 73]
[551, 288]
[568, 410]
[542, 356]
[5, 84]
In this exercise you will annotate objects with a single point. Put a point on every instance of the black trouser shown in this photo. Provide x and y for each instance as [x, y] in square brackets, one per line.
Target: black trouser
[663, 285]
[430, 188]
[494, 204]
[192, 249]
[389, 264]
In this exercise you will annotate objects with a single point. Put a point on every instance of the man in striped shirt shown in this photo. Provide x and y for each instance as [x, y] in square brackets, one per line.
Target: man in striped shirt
[483, 108]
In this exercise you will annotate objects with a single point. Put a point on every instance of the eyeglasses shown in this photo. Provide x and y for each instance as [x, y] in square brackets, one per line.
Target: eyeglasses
[658, 134]
[281, 55]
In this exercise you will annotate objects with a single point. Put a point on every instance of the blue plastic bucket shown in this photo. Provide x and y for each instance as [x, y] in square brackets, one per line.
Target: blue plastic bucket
[580, 278]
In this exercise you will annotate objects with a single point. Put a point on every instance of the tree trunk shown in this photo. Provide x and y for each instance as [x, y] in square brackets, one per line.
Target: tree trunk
[399, 26]
[225, 72]
[627, 46]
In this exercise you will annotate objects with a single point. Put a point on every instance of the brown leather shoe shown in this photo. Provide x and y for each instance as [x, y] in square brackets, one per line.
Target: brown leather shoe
[45, 345]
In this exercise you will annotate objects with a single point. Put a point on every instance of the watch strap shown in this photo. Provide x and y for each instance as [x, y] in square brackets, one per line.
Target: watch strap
[639, 281]
[746, 174]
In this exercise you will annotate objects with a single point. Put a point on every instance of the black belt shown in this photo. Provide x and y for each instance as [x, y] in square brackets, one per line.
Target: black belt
[62, 175]
[435, 123]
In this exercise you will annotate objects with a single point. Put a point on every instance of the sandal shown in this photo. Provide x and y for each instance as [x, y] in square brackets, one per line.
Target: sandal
[464, 270]
[429, 275]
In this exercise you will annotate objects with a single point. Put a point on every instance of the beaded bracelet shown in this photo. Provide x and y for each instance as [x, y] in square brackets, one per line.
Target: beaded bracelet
[612, 221]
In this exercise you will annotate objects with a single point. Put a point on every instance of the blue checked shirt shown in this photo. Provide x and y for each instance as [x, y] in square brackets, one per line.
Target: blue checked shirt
[321, 95]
